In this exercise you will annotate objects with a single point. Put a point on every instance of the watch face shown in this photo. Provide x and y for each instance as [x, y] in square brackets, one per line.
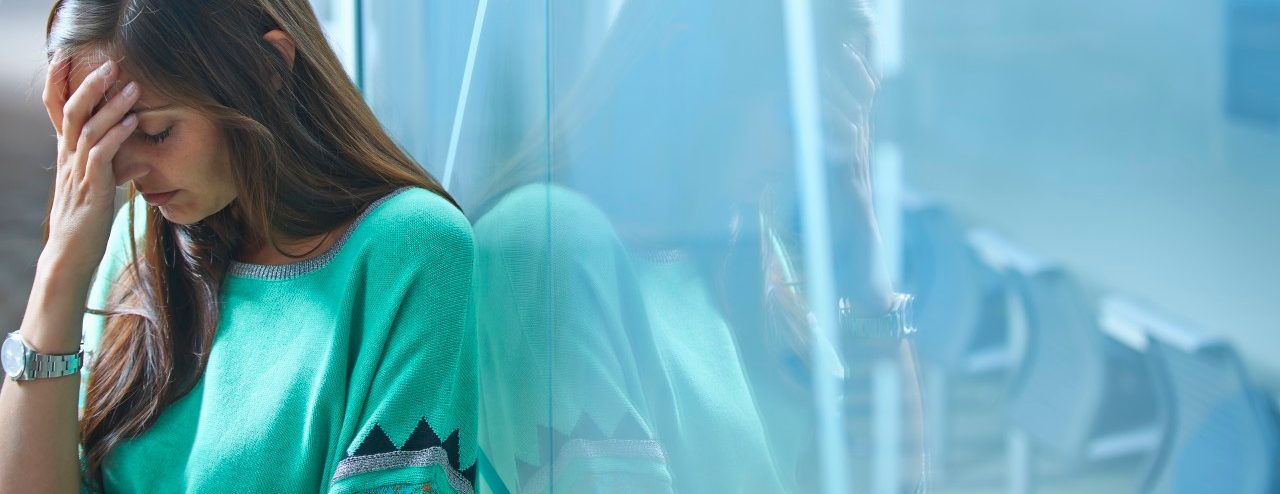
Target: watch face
[11, 356]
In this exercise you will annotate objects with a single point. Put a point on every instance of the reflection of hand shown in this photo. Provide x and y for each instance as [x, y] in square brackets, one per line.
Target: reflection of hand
[849, 88]
[84, 186]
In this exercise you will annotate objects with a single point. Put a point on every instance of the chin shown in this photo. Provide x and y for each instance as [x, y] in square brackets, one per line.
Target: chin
[178, 217]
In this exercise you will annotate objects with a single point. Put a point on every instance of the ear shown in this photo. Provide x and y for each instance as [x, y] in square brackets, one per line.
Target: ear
[283, 44]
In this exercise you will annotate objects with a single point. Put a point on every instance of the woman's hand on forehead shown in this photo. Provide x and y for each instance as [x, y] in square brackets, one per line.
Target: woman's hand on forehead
[80, 70]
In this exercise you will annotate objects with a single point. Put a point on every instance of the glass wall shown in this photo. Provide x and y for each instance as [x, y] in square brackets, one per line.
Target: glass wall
[693, 220]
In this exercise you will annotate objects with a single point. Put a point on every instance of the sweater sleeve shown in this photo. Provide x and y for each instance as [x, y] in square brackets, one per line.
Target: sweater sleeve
[411, 413]
[563, 403]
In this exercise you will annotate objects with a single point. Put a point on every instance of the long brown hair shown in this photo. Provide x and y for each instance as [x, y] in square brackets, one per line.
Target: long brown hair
[306, 159]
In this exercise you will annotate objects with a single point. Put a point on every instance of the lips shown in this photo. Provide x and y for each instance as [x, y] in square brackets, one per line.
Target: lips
[159, 199]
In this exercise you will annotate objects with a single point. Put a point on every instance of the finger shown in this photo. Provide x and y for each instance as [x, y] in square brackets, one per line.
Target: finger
[865, 82]
[80, 106]
[850, 81]
[107, 116]
[55, 90]
[98, 166]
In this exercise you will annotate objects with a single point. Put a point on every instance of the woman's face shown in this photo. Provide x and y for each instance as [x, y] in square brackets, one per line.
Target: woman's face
[179, 155]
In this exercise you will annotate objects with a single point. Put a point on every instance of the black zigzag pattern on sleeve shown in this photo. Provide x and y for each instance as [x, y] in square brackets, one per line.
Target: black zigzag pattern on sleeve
[422, 448]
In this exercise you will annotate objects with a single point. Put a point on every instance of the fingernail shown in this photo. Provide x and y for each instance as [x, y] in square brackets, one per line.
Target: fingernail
[105, 69]
[129, 120]
[129, 89]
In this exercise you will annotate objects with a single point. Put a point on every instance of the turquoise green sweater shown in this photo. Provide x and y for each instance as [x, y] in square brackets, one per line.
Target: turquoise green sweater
[352, 371]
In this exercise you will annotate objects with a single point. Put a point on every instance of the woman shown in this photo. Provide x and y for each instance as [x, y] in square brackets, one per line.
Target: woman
[284, 303]
[638, 294]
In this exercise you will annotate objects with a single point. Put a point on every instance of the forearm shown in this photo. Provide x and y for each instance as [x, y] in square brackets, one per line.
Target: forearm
[39, 428]
[867, 284]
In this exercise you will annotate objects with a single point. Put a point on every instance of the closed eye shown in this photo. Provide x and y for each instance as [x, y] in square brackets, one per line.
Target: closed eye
[157, 138]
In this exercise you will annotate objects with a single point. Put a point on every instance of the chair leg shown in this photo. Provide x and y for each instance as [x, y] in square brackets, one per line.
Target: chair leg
[887, 430]
[1021, 462]
[937, 414]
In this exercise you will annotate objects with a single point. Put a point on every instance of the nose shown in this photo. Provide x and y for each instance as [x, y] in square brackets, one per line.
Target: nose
[126, 170]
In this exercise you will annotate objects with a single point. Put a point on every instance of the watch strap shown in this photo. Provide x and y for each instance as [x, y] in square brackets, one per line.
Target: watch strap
[896, 324]
[47, 366]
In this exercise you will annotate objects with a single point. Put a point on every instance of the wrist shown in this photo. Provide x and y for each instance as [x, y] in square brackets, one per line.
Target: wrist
[895, 323]
[63, 273]
[55, 310]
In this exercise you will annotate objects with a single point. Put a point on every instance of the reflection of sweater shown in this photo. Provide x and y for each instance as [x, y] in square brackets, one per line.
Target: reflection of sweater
[647, 388]
[346, 372]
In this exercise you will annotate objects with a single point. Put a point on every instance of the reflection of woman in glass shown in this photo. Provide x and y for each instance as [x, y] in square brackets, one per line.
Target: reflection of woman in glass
[283, 303]
[640, 314]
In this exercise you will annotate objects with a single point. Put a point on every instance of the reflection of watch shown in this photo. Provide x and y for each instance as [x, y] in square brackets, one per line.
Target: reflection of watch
[23, 364]
[896, 324]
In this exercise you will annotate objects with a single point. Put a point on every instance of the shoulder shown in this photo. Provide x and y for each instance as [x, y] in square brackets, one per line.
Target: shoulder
[417, 221]
[414, 210]
[540, 217]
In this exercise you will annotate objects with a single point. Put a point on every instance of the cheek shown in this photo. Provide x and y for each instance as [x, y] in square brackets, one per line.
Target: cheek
[181, 151]
[204, 163]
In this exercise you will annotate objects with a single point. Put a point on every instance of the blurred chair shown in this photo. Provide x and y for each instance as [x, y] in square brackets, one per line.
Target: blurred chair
[1077, 392]
[1222, 434]
[958, 304]
[959, 311]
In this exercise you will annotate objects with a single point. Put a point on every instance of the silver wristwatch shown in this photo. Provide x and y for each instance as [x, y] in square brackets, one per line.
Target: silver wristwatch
[896, 324]
[21, 363]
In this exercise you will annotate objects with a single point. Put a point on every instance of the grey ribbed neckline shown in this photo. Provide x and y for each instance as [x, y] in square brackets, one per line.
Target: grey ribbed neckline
[290, 270]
